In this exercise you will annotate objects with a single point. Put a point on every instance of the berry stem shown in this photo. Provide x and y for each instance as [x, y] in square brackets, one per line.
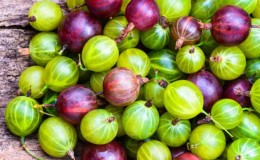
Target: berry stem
[216, 122]
[71, 154]
[148, 103]
[28, 151]
[32, 19]
[64, 47]
[81, 66]
[24, 51]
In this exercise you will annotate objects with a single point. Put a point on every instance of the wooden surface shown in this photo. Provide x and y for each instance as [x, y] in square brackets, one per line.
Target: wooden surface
[14, 34]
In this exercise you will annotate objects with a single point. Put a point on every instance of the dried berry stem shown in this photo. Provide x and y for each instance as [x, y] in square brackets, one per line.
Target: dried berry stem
[240, 92]
[110, 119]
[206, 120]
[24, 51]
[205, 26]
[238, 157]
[130, 26]
[163, 83]
[216, 58]
[179, 43]
[142, 80]
[71, 154]
[148, 103]
[163, 22]
[32, 19]
[101, 102]
[191, 50]
[175, 121]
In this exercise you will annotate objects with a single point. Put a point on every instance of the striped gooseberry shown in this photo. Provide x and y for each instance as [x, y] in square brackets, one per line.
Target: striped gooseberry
[43, 47]
[207, 141]
[255, 95]
[250, 45]
[154, 149]
[22, 118]
[154, 89]
[163, 63]
[136, 60]
[244, 148]
[227, 63]
[156, 37]
[185, 30]
[143, 113]
[227, 112]
[61, 72]
[118, 113]
[178, 104]
[190, 59]
[77, 28]
[100, 53]
[114, 27]
[57, 137]
[74, 102]
[96, 82]
[31, 82]
[121, 86]
[173, 131]
[256, 12]
[249, 127]
[45, 15]
[252, 69]
[173, 9]
[248, 5]
[99, 126]
[204, 9]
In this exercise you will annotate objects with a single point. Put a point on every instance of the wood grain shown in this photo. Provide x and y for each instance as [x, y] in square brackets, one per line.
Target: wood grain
[14, 34]
[14, 12]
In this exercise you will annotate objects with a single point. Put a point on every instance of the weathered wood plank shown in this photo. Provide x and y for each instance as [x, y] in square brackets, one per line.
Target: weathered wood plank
[11, 63]
[11, 66]
[12, 149]
[14, 12]
[10, 146]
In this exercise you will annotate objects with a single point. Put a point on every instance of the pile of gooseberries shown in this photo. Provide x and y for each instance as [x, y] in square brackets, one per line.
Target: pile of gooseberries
[142, 79]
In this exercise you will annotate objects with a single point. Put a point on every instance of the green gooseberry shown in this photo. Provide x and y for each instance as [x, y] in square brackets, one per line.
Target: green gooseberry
[100, 53]
[44, 46]
[113, 29]
[45, 15]
[31, 82]
[61, 72]
[173, 9]
[136, 60]
[247, 5]
[156, 38]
